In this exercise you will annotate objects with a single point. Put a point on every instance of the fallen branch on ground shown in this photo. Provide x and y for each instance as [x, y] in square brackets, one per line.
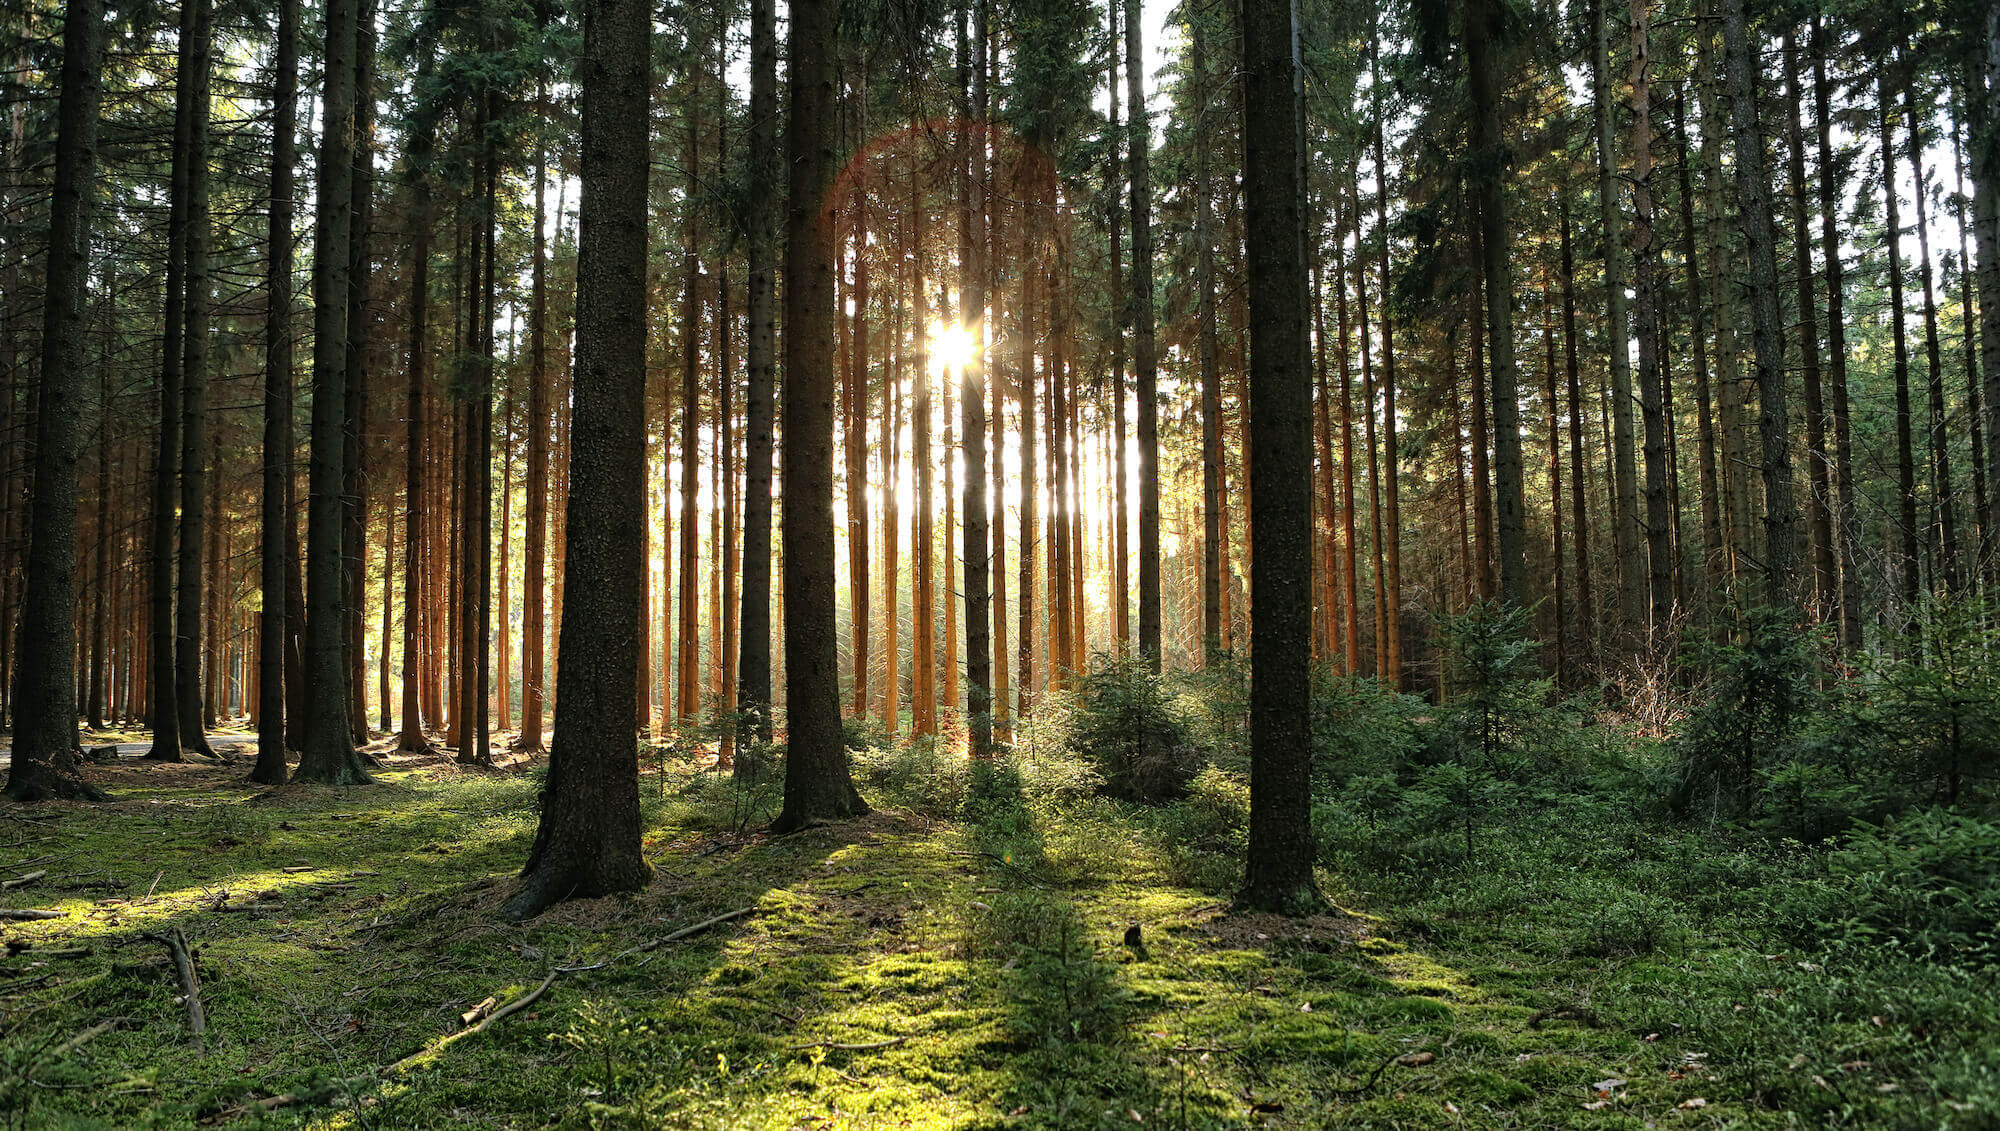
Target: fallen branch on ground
[26, 916]
[24, 880]
[176, 944]
[862, 1047]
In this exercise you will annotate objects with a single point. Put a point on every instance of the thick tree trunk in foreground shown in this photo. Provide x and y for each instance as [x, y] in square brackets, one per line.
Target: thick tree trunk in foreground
[44, 749]
[276, 516]
[1278, 873]
[326, 751]
[588, 841]
[817, 782]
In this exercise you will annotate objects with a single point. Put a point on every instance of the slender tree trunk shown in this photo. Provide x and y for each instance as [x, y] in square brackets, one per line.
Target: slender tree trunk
[194, 389]
[1497, 267]
[1753, 195]
[1145, 363]
[1579, 515]
[1909, 537]
[1944, 502]
[1213, 469]
[1645, 256]
[275, 519]
[1624, 468]
[1819, 515]
[44, 764]
[855, 444]
[753, 681]
[1392, 511]
[587, 843]
[1846, 527]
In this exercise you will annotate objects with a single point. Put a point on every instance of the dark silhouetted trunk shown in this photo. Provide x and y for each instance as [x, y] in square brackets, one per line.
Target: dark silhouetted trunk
[587, 843]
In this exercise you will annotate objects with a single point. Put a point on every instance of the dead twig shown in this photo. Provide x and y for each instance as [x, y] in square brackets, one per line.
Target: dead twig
[23, 880]
[22, 916]
[176, 944]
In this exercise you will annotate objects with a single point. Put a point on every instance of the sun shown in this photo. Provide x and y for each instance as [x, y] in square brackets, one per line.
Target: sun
[952, 346]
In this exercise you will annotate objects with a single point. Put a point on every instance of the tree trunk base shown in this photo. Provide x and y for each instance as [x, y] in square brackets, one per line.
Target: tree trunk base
[29, 783]
[1294, 899]
[552, 882]
[839, 805]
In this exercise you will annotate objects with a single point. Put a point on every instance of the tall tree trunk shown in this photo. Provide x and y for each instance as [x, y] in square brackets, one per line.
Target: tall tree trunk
[163, 702]
[327, 752]
[534, 640]
[360, 339]
[1624, 468]
[972, 402]
[275, 520]
[1392, 510]
[1483, 25]
[1278, 871]
[1213, 469]
[1579, 515]
[587, 843]
[1714, 557]
[687, 663]
[1983, 545]
[818, 785]
[1645, 259]
[1943, 501]
[1145, 363]
[1753, 198]
[1846, 527]
[194, 391]
[44, 764]
[1984, 143]
[855, 441]
[923, 628]
[1819, 514]
[753, 680]
[1909, 537]
[1121, 599]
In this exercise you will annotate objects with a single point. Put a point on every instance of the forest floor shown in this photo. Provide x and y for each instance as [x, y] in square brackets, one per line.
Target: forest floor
[896, 971]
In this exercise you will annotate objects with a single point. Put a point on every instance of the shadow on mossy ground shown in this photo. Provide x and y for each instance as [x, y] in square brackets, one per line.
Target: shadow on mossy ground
[903, 970]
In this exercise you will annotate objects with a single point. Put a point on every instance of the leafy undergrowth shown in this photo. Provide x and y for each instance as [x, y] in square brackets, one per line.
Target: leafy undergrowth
[908, 970]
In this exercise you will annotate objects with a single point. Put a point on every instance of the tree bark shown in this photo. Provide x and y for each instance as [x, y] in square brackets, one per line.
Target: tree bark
[753, 679]
[276, 517]
[327, 752]
[1624, 468]
[1753, 198]
[1278, 869]
[44, 764]
[587, 843]
[1145, 361]
[818, 785]
[1482, 26]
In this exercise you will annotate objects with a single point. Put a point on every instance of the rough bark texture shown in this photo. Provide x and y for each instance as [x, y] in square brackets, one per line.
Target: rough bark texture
[1753, 199]
[1145, 362]
[326, 752]
[588, 841]
[1278, 872]
[1483, 24]
[818, 785]
[276, 514]
[753, 671]
[44, 762]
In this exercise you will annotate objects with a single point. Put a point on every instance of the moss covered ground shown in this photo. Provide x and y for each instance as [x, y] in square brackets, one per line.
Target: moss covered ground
[963, 962]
